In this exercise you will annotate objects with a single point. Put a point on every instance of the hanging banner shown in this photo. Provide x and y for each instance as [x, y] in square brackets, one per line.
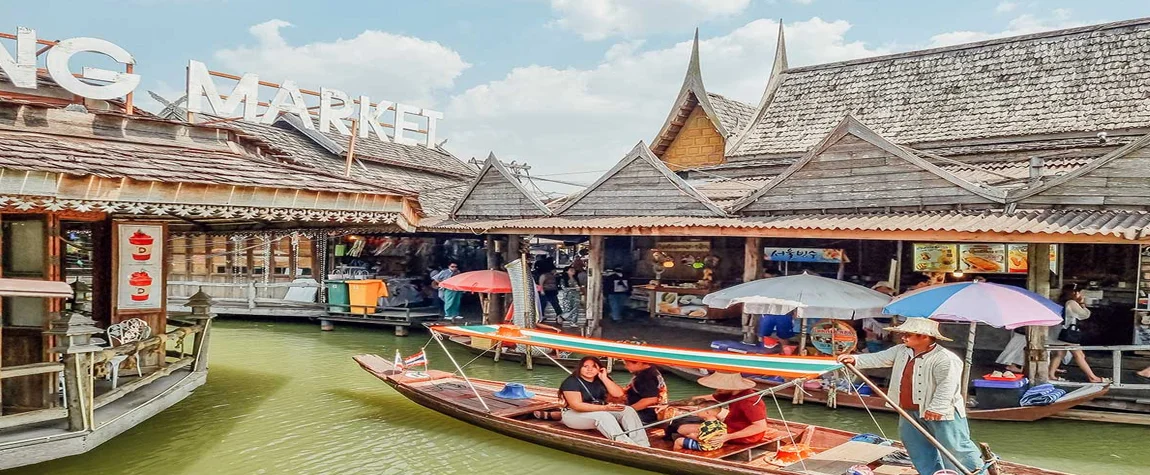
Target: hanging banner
[139, 280]
[933, 257]
[804, 254]
[982, 258]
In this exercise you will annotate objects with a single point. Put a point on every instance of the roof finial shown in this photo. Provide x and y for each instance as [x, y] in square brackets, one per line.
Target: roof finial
[780, 52]
[693, 68]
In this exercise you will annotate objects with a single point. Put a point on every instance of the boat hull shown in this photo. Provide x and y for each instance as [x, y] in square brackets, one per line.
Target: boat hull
[427, 391]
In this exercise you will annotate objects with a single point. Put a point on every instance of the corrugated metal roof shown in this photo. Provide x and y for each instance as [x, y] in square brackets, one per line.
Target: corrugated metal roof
[1129, 225]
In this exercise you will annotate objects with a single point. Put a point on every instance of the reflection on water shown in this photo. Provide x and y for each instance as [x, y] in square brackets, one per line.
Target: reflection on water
[286, 398]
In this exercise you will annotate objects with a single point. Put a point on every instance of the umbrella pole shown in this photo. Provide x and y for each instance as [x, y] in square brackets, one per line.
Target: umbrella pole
[930, 438]
[969, 363]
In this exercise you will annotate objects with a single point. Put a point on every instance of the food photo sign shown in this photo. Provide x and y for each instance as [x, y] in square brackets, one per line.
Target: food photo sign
[140, 251]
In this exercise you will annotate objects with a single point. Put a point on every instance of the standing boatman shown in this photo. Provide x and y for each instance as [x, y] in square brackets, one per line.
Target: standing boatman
[926, 382]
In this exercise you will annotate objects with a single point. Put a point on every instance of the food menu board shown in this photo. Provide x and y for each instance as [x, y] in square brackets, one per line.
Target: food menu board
[934, 257]
[1016, 258]
[982, 258]
[140, 250]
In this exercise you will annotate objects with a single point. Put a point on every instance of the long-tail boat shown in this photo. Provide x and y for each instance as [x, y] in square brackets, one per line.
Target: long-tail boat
[831, 451]
[854, 400]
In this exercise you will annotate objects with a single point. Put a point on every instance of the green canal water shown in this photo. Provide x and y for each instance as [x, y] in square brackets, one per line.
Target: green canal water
[287, 398]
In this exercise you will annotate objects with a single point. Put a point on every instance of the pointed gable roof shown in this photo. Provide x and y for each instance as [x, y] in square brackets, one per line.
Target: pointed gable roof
[725, 114]
[498, 193]
[778, 67]
[640, 185]
[866, 172]
[1079, 80]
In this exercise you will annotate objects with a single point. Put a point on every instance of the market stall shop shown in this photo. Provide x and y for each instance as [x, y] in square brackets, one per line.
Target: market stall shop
[387, 278]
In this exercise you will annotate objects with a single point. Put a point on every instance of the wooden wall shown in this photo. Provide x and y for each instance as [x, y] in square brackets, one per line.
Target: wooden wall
[638, 189]
[495, 197]
[1124, 182]
[854, 174]
[697, 143]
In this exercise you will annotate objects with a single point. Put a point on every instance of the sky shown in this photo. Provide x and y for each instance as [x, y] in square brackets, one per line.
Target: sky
[567, 86]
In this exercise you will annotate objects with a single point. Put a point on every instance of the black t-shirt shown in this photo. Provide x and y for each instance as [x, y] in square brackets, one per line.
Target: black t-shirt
[594, 392]
[646, 383]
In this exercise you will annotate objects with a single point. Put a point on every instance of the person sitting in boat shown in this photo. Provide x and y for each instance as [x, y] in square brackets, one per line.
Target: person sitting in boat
[710, 436]
[746, 419]
[584, 397]
[646, 390]
[926, 382]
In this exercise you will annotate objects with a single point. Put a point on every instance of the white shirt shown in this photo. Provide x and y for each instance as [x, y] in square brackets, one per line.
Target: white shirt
[937, 382]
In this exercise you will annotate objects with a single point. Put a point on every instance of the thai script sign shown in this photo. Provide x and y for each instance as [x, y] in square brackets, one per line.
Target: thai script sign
[804, 254]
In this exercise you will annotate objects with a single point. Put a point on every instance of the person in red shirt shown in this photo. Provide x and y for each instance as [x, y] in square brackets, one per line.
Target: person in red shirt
[746, 419]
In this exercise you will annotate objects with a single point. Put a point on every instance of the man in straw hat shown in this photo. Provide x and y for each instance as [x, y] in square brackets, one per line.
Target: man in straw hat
[746, 420]
[926, 382]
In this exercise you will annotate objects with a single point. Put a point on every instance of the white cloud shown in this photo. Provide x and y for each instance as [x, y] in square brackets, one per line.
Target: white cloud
[1021, 25]
[563, 120]
[599, 19]
[374, 63]
[1005, 7]
[803, 2]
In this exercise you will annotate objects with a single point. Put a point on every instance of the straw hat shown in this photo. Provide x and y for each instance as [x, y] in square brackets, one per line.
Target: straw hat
[919, 326]
[726, 381]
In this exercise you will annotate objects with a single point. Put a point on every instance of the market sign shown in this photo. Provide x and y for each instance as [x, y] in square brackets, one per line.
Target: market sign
[21, 69]
[804, 254]
[976, 258]
[334, 107]
[982, 258]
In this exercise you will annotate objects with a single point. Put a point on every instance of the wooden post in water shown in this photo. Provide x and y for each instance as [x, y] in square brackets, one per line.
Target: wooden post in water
[595, 287]
[1038, 281]
[752, 270]
[73, 334]
[493, 310]
[201, 305]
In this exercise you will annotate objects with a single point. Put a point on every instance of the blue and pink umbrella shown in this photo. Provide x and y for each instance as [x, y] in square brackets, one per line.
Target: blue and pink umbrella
[997, 305]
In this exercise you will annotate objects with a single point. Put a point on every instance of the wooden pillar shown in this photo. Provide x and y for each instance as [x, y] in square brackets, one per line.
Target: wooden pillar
[1038, 281]
[510, 253]
[752, 270]
[78, 386]
[493, 310]
[595, 287]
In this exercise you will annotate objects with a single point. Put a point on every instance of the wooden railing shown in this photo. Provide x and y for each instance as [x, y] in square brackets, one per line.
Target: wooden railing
[79, 378]
[254, 293]
[1116, 360]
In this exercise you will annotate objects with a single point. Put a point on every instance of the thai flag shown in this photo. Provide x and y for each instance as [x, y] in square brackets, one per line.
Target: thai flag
[418, 359]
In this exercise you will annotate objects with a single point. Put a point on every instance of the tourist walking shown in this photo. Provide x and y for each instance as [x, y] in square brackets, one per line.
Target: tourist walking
[926, 382]
[618, 290]
[450, 298]
[570, 297]
[1073, 310]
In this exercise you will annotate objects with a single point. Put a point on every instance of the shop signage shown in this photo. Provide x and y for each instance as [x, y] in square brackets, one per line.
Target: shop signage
[833, 337]
[1016, 260]
[804, 254]
[140, 249]
[982, 258]
[334, 105]
[21, 69]
[933, 257]
[685, 246]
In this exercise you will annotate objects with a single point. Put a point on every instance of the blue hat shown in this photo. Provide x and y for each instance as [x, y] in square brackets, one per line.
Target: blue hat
[514, 391]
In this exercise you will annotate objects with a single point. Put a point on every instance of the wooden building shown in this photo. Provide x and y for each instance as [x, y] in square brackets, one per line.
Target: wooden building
[1034, 140]
[91, 194]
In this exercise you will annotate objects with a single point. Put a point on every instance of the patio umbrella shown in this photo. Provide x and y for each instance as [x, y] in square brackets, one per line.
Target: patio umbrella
[1003, 306]
[812, 295]
[483, 281]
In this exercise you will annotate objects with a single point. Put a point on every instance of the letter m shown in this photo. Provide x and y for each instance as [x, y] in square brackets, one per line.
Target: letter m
[200, 85]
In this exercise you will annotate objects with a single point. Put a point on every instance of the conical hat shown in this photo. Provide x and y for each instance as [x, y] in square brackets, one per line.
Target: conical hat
[726, 381]
[919, 326]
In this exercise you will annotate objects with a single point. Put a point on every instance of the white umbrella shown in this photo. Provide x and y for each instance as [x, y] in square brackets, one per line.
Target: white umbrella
[813, 296]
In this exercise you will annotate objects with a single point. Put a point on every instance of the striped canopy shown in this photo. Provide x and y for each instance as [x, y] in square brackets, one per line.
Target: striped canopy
[787, 366]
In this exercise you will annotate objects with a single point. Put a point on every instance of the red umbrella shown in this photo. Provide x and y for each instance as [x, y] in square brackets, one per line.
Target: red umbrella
[485, 281]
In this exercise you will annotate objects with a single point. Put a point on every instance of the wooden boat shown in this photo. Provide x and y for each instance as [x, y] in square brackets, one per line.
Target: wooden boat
[875, 403]
[452, 396]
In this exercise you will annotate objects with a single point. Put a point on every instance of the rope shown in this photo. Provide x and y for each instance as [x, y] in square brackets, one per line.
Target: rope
[787, 426]
[862, 399]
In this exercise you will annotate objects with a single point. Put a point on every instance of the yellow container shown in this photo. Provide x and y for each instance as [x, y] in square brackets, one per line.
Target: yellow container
[364, 295]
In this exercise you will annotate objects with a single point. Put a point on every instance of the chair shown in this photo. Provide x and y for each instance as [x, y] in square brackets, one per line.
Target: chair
[127, 331]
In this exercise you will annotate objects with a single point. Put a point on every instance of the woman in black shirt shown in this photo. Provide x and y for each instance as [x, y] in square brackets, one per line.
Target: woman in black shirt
[584, 396]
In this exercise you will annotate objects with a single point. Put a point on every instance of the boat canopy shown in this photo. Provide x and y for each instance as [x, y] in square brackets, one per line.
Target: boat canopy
[786, 366]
